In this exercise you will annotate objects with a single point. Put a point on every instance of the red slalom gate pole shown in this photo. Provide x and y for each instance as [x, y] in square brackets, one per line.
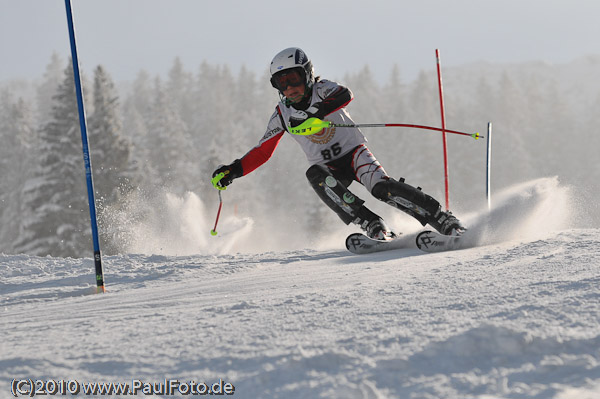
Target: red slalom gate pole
[445, 146]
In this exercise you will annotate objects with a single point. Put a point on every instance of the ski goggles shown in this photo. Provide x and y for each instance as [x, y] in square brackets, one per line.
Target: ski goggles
[282, 80]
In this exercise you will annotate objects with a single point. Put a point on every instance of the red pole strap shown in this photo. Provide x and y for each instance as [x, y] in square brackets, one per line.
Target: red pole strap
[441, 91]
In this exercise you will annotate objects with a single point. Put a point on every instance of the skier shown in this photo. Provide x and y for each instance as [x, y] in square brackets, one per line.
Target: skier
[337, 155]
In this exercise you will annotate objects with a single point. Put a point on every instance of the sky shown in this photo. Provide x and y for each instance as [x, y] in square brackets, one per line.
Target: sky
[340, 36]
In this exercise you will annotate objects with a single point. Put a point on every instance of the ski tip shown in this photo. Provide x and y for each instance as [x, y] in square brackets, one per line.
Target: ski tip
[431, 241]
[352, 240]
[419, 238]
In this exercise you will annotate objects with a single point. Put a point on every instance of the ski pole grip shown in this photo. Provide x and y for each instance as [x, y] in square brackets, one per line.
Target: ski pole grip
[309, 127]
[215, 181]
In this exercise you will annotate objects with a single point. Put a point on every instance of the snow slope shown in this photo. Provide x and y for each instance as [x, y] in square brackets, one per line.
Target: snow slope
[517, 317]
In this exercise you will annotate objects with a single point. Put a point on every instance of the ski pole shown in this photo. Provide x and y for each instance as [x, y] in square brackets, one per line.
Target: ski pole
[315, 125]
[213, 232]
[215, 182]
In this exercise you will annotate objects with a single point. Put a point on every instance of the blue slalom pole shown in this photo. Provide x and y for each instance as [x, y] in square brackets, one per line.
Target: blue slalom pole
[86, 153]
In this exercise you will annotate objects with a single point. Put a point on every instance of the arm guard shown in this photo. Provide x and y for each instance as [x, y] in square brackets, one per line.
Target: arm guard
[339, 98]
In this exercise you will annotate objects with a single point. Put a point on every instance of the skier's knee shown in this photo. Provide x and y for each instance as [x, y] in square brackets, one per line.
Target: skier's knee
[407, 198]
[316, 174]
[333, 193]
[389, 188]
[381, 190]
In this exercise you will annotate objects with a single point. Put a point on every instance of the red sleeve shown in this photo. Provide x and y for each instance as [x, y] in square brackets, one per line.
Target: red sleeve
[260, 154]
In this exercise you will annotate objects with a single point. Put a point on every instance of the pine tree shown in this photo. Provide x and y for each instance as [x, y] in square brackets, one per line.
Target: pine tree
[366, 105]
[423, 101]
[394, 145]
[47, 89]
[590, 173]
[512, 146]
[137, 112]
[249, 123]
[114, 174]
[394, 97]
[55, 198]
[16, 133]
[109, 150]
[168, 144]
[216, 128]
[179, 89]
[425, 148]
[556, 132]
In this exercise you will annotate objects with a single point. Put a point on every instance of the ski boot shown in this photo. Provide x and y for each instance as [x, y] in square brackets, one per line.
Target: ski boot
[378, 230]
[447, 224]
[373, 225]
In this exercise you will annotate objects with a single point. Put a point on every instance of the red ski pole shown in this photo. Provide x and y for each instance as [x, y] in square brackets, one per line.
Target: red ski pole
[214, 230]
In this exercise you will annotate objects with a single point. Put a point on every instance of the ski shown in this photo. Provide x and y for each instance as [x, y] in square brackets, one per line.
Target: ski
[431, 241]
[427, 241]
[360, 244]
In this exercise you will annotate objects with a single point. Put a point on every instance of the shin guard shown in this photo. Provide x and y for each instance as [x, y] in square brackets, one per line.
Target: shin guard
[408, 199]
[337, 196]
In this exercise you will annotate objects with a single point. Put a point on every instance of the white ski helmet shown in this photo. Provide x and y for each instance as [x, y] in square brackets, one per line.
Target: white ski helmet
[291, 58]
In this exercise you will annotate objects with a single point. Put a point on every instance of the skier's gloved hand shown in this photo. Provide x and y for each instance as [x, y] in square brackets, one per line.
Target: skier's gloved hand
[298, 117]
[229, 172]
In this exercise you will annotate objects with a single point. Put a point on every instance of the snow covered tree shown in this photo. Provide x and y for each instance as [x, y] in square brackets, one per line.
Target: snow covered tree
[168, 144]
[423, 102]
[366, 105]
[16, 133]
[214, 132]
[424, 149]
[109, 150]
[179, 89]
[556, 132]
[590, 171]
[393, 145]
[251, 121]
[137, 111]
[513, 146]
[114, 174]
[47, 89]
[393, 96]
[57, 219]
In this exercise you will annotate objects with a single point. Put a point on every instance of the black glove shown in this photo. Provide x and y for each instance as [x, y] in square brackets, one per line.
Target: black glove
[298, 116]
[231, 172]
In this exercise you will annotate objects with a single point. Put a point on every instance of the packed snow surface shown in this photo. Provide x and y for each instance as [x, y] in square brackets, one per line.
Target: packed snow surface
[515, 317]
